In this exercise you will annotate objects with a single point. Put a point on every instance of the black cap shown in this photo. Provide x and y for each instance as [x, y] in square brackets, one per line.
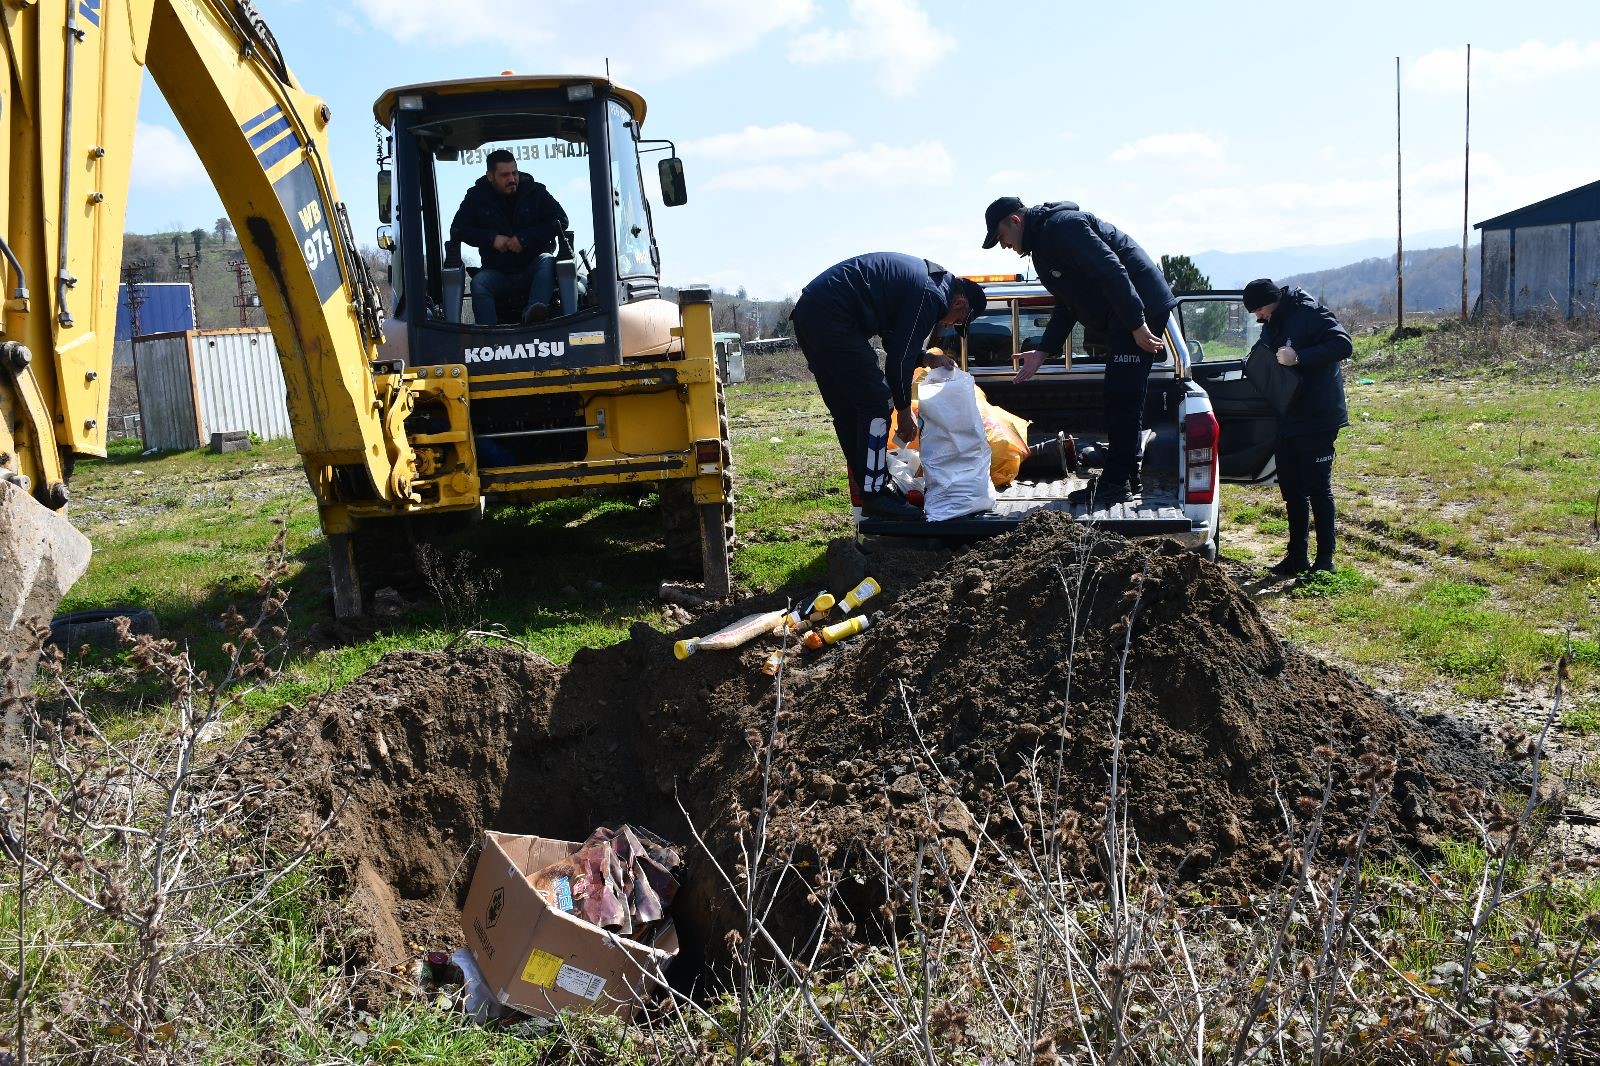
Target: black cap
[977, 302]
[1001, 208]
[1259, 293]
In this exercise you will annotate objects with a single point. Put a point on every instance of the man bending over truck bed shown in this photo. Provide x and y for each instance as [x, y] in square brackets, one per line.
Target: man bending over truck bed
[898, 298]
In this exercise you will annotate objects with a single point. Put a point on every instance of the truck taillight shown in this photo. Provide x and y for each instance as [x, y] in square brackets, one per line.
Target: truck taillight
[1200, 434]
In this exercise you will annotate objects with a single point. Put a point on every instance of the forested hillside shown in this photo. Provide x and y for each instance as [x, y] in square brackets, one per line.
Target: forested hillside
[1432, 277]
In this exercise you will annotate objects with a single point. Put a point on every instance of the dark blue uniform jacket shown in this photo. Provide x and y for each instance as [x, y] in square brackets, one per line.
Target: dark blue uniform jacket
[897, 297]
[1098, 274]
[532, 216]
[1322, 344]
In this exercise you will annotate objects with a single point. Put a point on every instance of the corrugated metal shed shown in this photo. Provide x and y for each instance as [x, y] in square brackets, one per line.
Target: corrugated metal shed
[199, 382]
[1544, 258]
[168, 307]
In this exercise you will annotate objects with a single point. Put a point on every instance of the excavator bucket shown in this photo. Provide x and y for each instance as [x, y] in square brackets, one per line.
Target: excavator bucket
[41, 555]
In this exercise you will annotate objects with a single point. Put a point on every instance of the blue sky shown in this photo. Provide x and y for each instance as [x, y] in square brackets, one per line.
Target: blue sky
[813, 130]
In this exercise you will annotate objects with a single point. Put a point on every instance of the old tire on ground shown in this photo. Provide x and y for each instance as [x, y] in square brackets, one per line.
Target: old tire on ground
[98, 628]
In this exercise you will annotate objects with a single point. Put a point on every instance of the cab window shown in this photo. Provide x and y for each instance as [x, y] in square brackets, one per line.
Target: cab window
[636, 246]
[550, 146]
[1217, 329]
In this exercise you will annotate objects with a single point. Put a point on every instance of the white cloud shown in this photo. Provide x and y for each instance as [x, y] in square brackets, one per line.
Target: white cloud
[876, 167]
[1189, 148]
[894, 36]
[1013, 179]
[657, 39]
[1279, 214]
[1445, 70]
[163, 159]
[788, 140]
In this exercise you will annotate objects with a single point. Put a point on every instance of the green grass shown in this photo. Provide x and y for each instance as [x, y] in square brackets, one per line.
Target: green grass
[1322, 585]
[1468, 559]
[1440, 901]
[1451, 485]
[1467, 508]
[1582, 716]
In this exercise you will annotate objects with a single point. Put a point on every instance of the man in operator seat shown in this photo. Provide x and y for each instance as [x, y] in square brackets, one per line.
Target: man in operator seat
[514, 222]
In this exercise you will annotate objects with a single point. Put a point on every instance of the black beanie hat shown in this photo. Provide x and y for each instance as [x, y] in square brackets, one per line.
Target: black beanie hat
[1259, 293]
[977, 300]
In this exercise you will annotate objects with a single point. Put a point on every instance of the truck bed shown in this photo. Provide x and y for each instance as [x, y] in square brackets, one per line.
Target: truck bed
[1157, 511]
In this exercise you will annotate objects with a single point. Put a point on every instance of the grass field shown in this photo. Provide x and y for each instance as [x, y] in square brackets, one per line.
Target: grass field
[1468, 512]
[1469, 562]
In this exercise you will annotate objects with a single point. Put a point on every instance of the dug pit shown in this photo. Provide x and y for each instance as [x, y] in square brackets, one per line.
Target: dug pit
[990, 669]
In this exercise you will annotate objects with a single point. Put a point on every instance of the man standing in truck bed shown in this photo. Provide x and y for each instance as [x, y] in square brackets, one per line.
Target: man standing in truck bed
[898, 298]
[1102, 278]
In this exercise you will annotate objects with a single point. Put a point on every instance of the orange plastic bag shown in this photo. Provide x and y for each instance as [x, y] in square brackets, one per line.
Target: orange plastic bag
[1008, 441]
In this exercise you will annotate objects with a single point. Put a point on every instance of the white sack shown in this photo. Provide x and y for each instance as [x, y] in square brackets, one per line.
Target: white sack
[955, 451]
[905, 467]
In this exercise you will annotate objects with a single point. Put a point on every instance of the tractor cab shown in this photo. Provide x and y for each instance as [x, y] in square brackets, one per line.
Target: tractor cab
[533, 333]
[577, 141]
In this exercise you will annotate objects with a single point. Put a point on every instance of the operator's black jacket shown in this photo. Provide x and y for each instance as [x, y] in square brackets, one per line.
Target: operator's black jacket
[1322, 344]
[532, 216]
[897, 297]
[1098, 274]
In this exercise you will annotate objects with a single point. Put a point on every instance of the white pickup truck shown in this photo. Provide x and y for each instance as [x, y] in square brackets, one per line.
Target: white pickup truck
[1204, 423]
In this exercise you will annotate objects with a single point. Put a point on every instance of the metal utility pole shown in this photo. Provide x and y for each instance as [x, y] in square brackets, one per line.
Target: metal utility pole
[188, 262]
[132, 274]
[1399, 222]
[1466, 185]
[244, 299]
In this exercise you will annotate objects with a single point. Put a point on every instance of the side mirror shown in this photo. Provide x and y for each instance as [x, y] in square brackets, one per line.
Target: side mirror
[386, 196]
[673, 192]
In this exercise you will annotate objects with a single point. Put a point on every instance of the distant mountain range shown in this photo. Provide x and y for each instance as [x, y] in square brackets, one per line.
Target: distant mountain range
[1360, 273]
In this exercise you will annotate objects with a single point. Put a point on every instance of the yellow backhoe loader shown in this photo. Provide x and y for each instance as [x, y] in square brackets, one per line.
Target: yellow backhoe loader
[432, 411]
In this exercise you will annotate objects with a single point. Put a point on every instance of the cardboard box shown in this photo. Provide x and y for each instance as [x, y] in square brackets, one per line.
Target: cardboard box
[537, 958]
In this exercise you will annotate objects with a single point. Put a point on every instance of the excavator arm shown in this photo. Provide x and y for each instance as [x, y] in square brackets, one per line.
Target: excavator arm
[68, 106]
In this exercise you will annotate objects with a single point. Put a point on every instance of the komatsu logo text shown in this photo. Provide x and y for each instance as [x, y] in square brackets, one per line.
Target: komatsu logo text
[495, 353]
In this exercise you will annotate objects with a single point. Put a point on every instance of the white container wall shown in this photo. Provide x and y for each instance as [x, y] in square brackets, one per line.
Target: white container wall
[200, 382]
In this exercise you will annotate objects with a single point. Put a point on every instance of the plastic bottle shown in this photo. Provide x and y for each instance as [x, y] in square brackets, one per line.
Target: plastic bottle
[840, 630]
[745, 629]
[817, 609]
[860, 594]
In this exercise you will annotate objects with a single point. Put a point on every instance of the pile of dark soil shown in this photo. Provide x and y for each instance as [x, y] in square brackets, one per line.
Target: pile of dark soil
[977, 677]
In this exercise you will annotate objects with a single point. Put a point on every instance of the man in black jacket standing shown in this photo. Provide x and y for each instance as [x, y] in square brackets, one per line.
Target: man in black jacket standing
[513, 221]
[899, 298]
[1102, 278]
[1311, 342]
